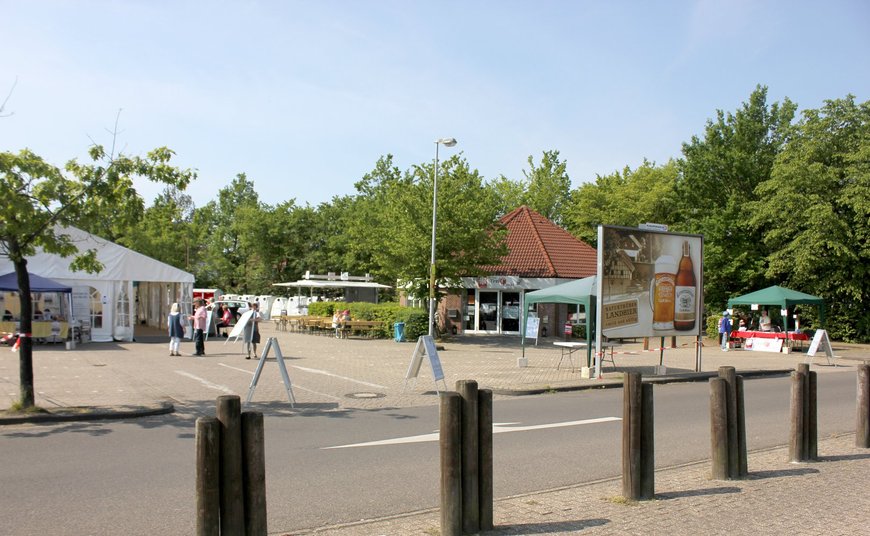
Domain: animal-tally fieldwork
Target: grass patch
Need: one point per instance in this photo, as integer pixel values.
(432, 531)
(619, 499)
(18, 409)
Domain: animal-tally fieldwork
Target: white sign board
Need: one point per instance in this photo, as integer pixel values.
(533, 324)
(821, 342)
(239, 328)
(758, 344)
(425, 345)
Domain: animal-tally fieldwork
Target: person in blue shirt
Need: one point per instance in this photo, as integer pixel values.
(725, 330)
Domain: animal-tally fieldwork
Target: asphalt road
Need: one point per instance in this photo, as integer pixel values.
(137, 477)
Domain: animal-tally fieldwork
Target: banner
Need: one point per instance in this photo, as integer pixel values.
(651, 283)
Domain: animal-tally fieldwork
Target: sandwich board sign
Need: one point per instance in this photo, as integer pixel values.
(425, 345)
(821, 342)
(272, 342)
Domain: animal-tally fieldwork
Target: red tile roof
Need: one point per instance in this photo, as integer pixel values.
(540, 248)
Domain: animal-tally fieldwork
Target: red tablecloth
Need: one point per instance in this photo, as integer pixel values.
(792, 336)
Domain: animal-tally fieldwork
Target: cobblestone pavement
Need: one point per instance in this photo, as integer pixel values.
(328, 374)
(826, 497)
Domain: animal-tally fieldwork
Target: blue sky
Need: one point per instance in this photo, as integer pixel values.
(304, 97)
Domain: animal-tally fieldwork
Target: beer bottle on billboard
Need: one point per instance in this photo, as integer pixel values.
(685, 300)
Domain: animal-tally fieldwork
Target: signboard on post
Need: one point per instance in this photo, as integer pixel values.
(425, 345)
(650, 284)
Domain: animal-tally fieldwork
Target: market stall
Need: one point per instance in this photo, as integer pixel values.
(786, 299)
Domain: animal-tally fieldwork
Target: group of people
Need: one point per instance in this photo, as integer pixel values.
(726, 326)
(199, 318)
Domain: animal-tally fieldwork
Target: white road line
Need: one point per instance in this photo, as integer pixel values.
(497, 428)
(251, 373)
(316, 371)
(207, 383)
(295, 385)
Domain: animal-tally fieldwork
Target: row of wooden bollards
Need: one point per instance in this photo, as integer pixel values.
(727, 426)
(230, 472)
(466, 460)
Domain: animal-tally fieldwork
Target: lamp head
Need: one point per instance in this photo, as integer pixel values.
(447, 142)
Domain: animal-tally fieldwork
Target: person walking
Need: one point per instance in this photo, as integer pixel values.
(199, 318)
(176, 330)
(252, 330)
(725, 330)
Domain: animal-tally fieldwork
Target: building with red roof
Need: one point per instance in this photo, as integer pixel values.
(540, 254)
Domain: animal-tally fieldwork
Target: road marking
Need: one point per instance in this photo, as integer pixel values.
(497, 428)
(316, 371)
(237, 368)
(295, 385)
(207, 383)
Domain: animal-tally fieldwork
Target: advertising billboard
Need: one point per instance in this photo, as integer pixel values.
(651, 282)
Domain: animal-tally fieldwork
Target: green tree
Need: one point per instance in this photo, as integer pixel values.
(38, 199)
(549, 186)
(628, 199)
(392, 223)
(231, 236)
(814, 214)
(165, 230)
(719, 176)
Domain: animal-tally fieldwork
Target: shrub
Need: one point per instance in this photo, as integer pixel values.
(415, 319)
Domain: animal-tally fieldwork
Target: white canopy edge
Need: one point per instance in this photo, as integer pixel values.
(309, 283)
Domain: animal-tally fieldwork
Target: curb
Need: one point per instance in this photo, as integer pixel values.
(89, 413)
(668, 378)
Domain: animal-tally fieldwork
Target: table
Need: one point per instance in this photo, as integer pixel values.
(568, 348)
(56, 331)
(787, 336)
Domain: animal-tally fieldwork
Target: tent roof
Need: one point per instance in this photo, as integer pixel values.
(9, 282)
(119, 263)
(581, 291)
(310, 283)
(784, 297)
(775, 295)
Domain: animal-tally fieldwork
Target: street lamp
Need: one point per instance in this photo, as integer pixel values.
(446, 142)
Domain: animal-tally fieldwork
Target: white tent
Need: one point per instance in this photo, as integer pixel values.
(130, 287)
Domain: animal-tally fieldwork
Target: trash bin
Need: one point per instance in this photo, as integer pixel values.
(399, 331)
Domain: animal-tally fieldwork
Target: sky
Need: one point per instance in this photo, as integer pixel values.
(305, 97)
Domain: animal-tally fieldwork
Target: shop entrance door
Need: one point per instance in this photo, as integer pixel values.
(488, 311)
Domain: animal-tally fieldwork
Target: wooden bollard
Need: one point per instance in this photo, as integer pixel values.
(231, 479)
(450, 445)
(208, 522)
(647, 443)
(796, 437)
(862, 417)
(742, 454)
(631, 434)
(467, 389)
(254, 469)
(719, 428)
(730, 376)
(484, 411)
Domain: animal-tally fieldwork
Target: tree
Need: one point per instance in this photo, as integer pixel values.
(38, 199)
(165, 230)
(392, 223)
(548, 186)
(628, 198)
(814, 214)
(718, 177)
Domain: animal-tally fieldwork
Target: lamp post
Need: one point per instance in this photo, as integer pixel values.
(446, 142)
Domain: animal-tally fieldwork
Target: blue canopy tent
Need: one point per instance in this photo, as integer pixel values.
(9, 283)
(579, 292)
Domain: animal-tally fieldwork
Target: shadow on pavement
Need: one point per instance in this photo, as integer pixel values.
(556, 527)
(697, 493)
(758, 475)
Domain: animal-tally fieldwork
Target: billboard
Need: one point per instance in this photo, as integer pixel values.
(651, 282)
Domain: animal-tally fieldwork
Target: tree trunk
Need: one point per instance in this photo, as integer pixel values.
(25, 351)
